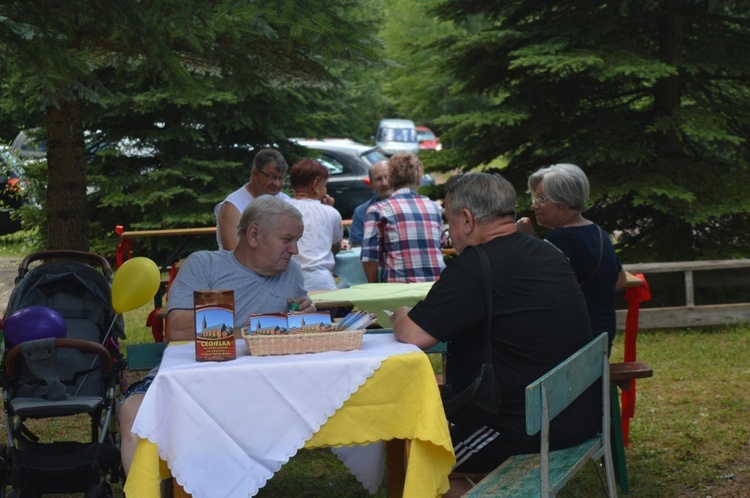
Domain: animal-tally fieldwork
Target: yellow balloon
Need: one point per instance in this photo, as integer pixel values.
(135, 284)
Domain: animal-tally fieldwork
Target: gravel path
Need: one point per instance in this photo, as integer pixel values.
(8, 272)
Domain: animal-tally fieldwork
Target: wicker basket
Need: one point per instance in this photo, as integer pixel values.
(265, 345)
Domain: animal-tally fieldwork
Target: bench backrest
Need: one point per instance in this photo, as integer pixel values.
(564, 383)
(544, 474)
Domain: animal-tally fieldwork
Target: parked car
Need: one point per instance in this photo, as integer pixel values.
(28, 144)
(397, 135)
(427, 139)
(11, 189)
(349, 164)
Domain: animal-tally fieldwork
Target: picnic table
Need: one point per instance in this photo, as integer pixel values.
(224, 428)
(379, 298)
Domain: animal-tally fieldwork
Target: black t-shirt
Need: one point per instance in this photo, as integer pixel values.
(584, 247)
(539, 320)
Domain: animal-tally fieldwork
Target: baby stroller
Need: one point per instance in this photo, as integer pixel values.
(63, 377)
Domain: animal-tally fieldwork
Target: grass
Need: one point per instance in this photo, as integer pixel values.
(690, 436)
(17, 244)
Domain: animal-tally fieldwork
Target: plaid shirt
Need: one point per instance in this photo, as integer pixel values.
(402, 234)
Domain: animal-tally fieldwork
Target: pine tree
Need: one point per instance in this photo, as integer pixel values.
(153, 96)
(651, 99)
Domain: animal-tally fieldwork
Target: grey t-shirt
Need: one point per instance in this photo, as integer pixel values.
(253, 293)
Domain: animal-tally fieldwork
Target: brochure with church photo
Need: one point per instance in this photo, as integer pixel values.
(267, 324)
(309, 322)
(214, 325)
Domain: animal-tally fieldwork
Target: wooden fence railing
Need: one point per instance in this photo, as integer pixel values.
(690, 314)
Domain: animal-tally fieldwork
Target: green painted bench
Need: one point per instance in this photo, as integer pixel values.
(545, 473)
(145, 356)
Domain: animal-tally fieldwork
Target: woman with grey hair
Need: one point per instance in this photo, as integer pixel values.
(558, 198)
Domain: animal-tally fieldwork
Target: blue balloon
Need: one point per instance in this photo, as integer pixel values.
(34, 322)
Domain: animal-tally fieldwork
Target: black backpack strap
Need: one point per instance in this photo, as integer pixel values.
(484, 265)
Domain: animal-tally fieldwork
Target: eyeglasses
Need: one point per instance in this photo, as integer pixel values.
(542, 199)
(273, 178)
(445, 239)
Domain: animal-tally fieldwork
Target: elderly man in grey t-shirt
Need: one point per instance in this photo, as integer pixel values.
(261, 272)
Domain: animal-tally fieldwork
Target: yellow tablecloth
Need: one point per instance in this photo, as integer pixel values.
(376, 298)
(384, 408)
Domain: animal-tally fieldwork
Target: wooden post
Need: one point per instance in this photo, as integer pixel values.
(395, 457)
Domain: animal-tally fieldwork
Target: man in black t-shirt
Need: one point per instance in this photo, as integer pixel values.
(539, 320)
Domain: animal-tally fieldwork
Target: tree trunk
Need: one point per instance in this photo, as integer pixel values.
(67, 220)
(667, 102)
(667, 91)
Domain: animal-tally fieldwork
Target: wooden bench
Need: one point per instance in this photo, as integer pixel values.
(545, 473)
(145, 356)
(622, 375)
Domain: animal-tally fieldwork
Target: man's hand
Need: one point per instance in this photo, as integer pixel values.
(303, 303)
(399, 313)
(525, 225)
(405, 330)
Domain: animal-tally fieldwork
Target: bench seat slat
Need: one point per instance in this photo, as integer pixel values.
(520, 475)
(629, 370)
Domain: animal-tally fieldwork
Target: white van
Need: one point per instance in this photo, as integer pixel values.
(397, 135)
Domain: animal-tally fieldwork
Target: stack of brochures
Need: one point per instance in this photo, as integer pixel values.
(356, 320)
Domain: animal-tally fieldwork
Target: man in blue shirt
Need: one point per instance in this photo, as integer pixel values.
(382, 188)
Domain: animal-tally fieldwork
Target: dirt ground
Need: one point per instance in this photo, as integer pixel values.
(8, 272)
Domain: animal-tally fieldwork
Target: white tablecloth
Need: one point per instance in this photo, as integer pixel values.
(226, 428)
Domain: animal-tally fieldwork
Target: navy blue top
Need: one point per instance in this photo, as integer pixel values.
(583, 247)
(357, 228)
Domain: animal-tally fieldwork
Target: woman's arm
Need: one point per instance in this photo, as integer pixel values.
(371, 271)
(622, 279)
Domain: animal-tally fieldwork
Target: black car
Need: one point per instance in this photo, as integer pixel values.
(349, 164)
